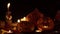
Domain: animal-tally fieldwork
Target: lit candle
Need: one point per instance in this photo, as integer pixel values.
(8, 13)
(9, 31)
(8, 5)
(18, 20)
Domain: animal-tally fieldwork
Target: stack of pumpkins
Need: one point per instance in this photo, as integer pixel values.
(36, 19)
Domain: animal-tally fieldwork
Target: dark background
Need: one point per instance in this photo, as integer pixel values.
(20, 8)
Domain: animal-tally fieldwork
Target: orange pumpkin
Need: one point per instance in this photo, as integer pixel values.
(45, 24)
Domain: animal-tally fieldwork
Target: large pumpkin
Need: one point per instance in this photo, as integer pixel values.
(34, 16)
(45, 23)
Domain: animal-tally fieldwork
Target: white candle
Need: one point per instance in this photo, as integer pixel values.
(8, 5)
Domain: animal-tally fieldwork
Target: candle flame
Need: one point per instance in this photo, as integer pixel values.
(18, 20)
(8, 5)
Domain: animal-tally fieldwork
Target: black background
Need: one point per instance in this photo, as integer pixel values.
(20, 8)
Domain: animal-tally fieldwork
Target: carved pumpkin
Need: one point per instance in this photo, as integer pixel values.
(45, 24)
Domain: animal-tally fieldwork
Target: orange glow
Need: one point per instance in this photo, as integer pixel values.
(38, 30)
(9, 31)
(45, 26)
(24, 19)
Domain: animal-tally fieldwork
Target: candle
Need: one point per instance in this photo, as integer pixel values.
(8, 13)
(9, 31)
(8, 5)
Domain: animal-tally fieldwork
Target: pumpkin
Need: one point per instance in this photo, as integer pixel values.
(25, 26)
(45, 23)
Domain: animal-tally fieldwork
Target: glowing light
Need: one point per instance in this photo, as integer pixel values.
(9, 31)
(45, 26)
(38, 31)
(18, 20)
(9, 18)
(8, 5)
(24, 19)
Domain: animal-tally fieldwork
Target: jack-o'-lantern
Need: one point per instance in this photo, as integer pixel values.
(45, 23)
